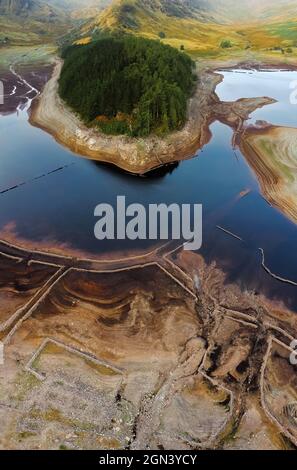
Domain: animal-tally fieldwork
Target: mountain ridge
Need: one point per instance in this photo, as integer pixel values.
(30, 22)
(199, 26)
(123, 13)
(25, 8)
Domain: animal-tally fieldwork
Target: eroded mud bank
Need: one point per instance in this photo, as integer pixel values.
(272, 153)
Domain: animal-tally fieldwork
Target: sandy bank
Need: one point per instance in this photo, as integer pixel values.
(272, 153)
(141, 155)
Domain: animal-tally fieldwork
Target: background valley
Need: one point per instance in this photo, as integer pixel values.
(202, 27)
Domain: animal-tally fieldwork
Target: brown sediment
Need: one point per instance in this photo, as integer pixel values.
(55, 250)
(129, 359)
(271, 151)
(137, 155)
(18, 283)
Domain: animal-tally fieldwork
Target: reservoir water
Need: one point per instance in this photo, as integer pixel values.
(57, 207)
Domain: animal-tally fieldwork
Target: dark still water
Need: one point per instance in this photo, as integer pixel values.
(58, 208)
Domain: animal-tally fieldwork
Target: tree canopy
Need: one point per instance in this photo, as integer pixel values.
(128, 85)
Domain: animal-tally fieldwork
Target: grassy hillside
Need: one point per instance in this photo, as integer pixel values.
(30, 22)
(201, 27)
(176, 22)
(255, 11)
(81, 9)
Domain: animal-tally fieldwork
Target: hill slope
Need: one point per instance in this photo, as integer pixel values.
(30, 21)
(244, 11)
(200, 26)
(81, 9)
(192, 24)
(36, 9)
(123, 14)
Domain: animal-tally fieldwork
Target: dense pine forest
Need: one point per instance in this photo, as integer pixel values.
(128, 85)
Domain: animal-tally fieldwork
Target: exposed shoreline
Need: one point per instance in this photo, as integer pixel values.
(271, 153)
(140, 156)
(133, 327)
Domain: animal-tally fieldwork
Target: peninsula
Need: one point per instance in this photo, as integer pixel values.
(141, 154)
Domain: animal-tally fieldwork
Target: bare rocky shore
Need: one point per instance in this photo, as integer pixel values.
(136, 353)
(271, 152)
(137, 155)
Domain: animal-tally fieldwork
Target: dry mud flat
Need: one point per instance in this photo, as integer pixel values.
(272, 153)
(141, 155)
(131, 359)
(18, 283)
